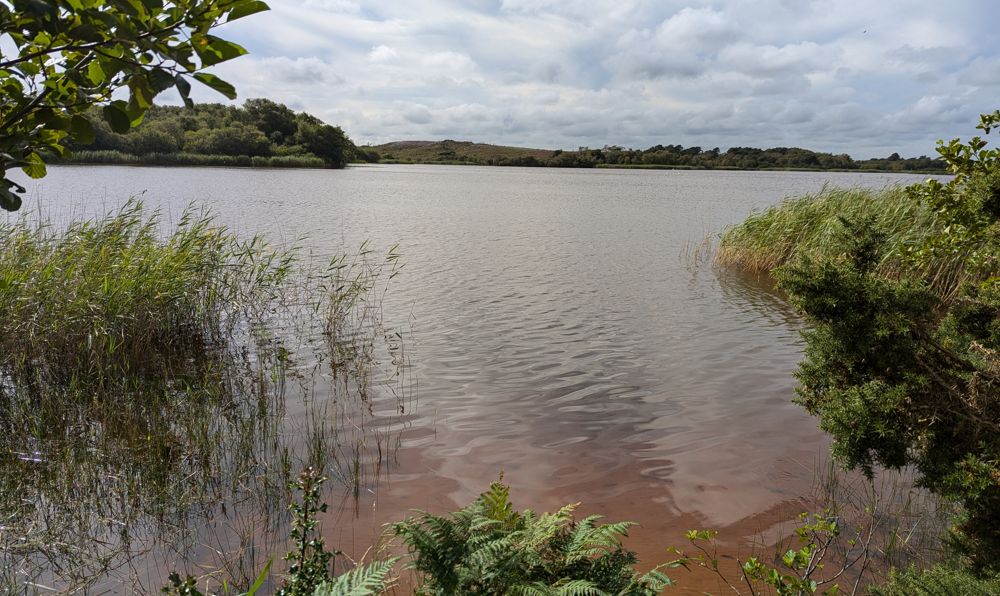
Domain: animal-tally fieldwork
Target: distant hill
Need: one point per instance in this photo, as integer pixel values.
(658, 156)
(449, 151)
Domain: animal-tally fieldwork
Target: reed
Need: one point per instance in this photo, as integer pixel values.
(807, 227)
(103, 297)
(159, 382)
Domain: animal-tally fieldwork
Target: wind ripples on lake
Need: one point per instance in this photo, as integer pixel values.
(561, 327)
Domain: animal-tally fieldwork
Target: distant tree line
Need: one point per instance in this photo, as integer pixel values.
(678, 156)
(261, 128)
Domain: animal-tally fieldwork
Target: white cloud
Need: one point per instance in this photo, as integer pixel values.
(838, 75)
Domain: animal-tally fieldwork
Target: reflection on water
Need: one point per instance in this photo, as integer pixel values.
(559, 333)
(184, 466)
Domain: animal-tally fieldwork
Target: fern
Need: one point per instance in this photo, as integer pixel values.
(361, 581)
(490, 548)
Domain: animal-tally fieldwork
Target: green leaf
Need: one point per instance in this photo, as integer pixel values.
(213, 50)
(247, 8)
(184, 89)
(95, 73)
(116, 117)
(8, 200)
(82, 130)
(216, 83)
(160, 80)
(260, 579)
(34, 166)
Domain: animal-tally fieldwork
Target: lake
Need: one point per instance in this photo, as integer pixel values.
(563, 327)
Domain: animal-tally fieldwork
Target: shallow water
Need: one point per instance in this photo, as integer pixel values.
(562, 327)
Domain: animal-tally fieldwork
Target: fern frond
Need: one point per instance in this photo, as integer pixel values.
(579, 587)
(535, 589)
(496, 502)
(360, 581)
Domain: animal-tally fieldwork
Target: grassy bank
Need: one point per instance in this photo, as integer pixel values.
(807, 227)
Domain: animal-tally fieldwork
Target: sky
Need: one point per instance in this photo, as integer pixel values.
(866, 78)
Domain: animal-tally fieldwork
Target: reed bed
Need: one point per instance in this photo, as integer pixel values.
(102, 297)
(159, 384)
(808, 226)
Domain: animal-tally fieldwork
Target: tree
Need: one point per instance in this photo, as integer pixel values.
(325, 141)
(74, 54)
(900, 375)
(273, 119)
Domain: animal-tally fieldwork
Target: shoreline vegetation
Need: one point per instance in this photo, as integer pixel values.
(901, 289)
(260, 133)
(678, 157)
(267, 134)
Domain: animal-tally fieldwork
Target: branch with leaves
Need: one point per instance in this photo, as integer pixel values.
(74, 54)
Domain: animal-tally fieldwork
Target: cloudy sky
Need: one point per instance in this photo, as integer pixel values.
(862, 77)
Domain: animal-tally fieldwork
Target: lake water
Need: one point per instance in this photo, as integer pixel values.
(562, 326)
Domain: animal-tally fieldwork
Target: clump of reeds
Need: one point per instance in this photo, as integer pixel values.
(808, 226)
(99, 298)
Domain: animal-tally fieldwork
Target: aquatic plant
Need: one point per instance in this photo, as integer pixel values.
(143, 391)
(810, 226)
(107, 296)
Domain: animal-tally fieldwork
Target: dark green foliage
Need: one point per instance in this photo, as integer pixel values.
(261, 129)
(902, 375)
(489, 548)
(323, 140)
(658, 156)
(275, 120)
(71, 55)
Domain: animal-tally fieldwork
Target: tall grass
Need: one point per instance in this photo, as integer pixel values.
(104, 296)
(159, 382)
(808, 226)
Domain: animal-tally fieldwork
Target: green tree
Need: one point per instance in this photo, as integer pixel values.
(74, 54)
(273, 119)
(902, 376)
(237, 139)
(325, 141)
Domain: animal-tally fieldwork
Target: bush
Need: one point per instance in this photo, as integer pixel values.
(489, 548)
(902, 366)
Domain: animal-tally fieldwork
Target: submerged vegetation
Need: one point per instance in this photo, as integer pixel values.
(156, 393)
(902, 364)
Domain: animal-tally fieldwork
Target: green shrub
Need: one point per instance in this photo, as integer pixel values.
(489, 548)
(902, 359)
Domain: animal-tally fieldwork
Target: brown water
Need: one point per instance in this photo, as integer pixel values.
(560, 329)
